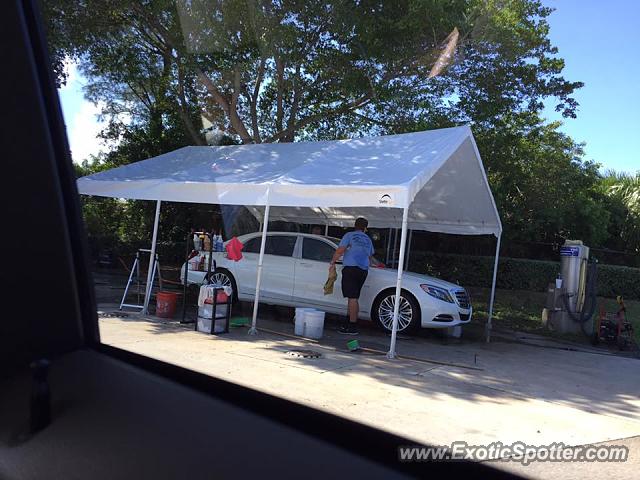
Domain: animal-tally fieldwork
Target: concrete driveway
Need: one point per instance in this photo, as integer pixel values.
(515, 393)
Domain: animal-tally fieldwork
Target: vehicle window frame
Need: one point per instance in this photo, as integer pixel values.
(297, 250)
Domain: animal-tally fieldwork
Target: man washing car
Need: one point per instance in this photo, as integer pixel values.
(357, 251)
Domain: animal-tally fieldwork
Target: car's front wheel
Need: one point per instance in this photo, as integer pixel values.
(408, 313)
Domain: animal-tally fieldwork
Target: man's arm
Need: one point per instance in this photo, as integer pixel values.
(344, 244)
(372, 261)
(336, 256)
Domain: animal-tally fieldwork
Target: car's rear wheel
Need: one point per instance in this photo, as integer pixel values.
(408, 313)
(223, 277)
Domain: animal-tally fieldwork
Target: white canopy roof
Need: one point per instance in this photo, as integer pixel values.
(438, 174)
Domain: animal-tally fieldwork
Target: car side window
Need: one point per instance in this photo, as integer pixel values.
(252, 245)
(281, 245)
(318, 250)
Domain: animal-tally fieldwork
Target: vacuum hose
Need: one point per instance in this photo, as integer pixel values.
(590, 302)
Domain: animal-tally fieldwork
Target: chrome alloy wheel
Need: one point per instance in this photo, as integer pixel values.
(385, 313)
(221, 279)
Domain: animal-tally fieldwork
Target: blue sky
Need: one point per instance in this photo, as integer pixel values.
(599, 41)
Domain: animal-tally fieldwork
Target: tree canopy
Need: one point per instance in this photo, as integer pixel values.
(266, 71)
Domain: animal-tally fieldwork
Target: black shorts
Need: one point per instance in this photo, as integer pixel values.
(352, 280)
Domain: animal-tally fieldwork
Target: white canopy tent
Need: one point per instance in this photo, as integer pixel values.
(431, 180)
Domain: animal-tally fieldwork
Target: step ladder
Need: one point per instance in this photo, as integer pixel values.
(135, 271)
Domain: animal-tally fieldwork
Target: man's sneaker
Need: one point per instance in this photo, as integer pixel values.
(348, 330)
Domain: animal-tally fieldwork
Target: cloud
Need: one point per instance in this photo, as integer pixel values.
(83, 130)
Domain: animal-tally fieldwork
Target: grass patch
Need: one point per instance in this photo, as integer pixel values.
(521, 311)
(518, 310)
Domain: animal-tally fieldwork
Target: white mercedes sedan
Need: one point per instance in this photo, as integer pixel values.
(295, 269)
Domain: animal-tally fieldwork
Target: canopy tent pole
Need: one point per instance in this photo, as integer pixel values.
(265, 222)
(152, 259)
(406, 259)
(396, 307)
(395, 243)
(493, 288)
(386, 259)
(326, 230)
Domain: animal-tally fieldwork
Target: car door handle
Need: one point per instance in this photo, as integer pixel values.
(305, 264)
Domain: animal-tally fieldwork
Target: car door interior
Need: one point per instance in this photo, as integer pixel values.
(103, 412)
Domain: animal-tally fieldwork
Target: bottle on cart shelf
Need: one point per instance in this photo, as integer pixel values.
(219, 243)
(197, 243)
(207, 243)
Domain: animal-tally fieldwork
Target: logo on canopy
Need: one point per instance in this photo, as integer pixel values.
(385, 200)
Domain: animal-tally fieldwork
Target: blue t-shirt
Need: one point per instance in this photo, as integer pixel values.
(359, 249)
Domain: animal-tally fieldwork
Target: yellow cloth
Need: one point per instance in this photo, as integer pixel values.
(328, 285)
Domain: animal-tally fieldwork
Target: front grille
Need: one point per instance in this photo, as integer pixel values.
(463, 298)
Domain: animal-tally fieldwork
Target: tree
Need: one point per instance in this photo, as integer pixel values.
(544, 189)
(267, 71)
(623, 191)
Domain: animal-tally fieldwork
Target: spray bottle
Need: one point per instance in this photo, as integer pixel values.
(220, 242)
(214, 240)
(197, 244)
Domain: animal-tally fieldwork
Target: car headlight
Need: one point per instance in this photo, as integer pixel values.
(437, 292)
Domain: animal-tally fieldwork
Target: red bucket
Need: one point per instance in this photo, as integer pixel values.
(166, 304)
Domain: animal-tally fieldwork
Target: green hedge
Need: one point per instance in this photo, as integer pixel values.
(520, 274)
(615, 280)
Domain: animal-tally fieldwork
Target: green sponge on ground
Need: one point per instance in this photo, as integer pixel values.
(353, 345)
(239, 322)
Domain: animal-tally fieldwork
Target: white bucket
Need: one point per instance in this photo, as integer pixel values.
(455, 332)
(313, 324)
(299, 320)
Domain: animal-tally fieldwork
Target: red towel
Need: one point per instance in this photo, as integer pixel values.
(234, 249)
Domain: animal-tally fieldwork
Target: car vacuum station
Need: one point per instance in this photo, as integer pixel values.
(572, 301)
